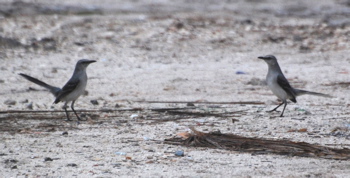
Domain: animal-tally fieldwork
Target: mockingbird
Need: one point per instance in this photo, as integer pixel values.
(280, 85)
(72, 89)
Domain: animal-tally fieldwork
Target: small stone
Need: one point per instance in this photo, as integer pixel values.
(133, 116)
(94, 102)
(65, 133)
(48, 159)
(240, 72)
(120, 153)
(72, 165)
(11, 161)
(14, 167)
(116, 164)
(29, 106)
(179, 153)
(10, 102)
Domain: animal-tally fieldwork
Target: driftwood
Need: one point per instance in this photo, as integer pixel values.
(207, 102)
(62, 111)
(258, 145)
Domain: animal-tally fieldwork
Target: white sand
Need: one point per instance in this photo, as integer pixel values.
(142, 55)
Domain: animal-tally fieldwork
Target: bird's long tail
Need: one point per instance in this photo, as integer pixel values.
(54, 90)
(304, 92)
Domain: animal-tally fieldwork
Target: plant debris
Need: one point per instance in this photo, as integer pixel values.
(258, 145)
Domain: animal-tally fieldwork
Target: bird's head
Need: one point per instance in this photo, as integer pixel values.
(83, 63)
(269, 59)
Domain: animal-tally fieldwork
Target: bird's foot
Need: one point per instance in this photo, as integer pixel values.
(82, 115)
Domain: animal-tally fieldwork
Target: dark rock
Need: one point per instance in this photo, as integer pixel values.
(9, 161)
(72, 165)
(48, 159)
(94, 102)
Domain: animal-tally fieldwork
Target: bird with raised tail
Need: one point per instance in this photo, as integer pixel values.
(72, 90)
(280, 86)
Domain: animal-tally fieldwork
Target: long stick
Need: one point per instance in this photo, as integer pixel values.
(207, 102)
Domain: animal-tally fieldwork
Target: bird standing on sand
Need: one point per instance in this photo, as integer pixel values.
(71, 91)
(280, 86)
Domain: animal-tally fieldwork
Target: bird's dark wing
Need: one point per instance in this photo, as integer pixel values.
(283, 82)
(67, 88)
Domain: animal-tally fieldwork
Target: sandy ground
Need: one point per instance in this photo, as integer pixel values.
(171, 51)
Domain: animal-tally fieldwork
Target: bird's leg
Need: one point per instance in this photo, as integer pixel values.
(285, 104)
(65, 109)
(72, 106)
(277, 107)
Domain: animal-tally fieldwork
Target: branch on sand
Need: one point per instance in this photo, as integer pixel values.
(258, 145)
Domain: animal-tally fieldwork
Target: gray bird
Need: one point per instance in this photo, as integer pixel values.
(280, 86)
(71, 91)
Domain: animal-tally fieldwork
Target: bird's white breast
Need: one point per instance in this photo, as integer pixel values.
(271, 80)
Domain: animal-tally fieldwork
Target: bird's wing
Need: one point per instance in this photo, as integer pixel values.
(67, 88)
(283, 82)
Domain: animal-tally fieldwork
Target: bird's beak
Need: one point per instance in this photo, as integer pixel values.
(91, 61)
(261, 57)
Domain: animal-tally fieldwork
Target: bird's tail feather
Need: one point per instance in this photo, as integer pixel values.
(54, 90)
(304, 92)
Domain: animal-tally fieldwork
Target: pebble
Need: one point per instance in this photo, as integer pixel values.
(29, 106)
(48, 159)
(240, 72)
(134, 116)
(94, 102)
(10, 102)
(65, 133)
(179, 153)
(120, 153)
(14, 167)
(72, 165)
(116, 164)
